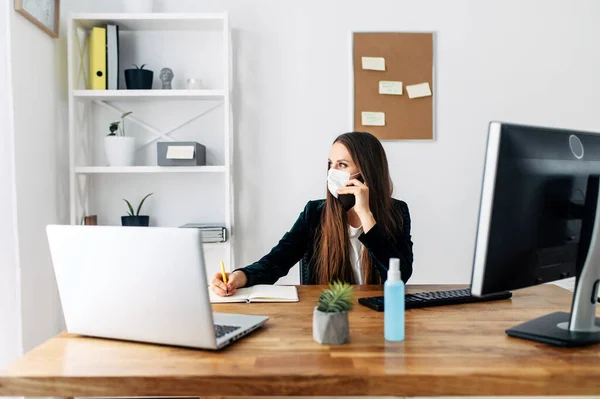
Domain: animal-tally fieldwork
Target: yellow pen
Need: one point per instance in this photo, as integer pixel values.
(224, 277)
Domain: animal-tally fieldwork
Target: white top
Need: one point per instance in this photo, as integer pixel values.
(356, 248)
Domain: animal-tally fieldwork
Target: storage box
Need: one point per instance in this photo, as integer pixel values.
(181, 153)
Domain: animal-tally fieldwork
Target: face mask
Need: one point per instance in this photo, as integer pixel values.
(337, 179)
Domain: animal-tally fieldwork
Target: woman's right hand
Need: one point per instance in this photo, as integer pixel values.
(235, 280)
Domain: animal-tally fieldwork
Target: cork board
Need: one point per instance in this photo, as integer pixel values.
(409, 59)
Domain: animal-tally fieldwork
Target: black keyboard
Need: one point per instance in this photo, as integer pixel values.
(435, 298)
(222, 330)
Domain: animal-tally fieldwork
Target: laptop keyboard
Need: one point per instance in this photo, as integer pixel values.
(223, 330)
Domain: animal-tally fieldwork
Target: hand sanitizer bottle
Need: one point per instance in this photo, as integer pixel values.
(393, 303)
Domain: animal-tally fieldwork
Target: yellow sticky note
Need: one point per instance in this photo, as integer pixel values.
(373, 118)
(373, 63)
(420, 90)
(393, 88)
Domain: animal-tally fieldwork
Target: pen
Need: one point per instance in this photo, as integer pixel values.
(224, 277)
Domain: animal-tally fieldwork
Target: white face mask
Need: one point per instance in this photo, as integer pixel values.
(337, 179)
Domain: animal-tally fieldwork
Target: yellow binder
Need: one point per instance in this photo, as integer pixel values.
(97, 50)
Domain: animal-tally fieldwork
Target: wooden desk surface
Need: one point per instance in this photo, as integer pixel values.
(457, 350)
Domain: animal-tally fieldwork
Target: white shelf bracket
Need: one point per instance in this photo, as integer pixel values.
(81, 122)
(83, 193)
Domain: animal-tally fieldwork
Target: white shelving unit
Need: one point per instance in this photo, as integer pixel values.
(193, 46)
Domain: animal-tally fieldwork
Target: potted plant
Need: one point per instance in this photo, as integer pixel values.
(330, 317)
(138, 78)
(119, 149)
(134, 218)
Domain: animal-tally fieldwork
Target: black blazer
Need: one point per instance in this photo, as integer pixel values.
(299, 243)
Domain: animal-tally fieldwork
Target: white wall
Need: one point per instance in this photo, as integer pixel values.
(522, 61)
(10, 316)
(41, 173)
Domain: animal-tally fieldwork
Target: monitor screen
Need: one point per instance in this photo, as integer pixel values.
(532, 200)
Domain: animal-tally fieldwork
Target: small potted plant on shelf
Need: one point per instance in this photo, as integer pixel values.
(119, 149)
(134, 218)
(330, 317)
(139, 78)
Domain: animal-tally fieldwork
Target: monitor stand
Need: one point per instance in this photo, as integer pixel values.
(581, 326)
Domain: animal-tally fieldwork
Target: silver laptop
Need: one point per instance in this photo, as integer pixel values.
(144, 284)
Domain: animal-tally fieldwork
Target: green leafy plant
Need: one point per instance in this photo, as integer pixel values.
(114, 126)
(338, 298)
(131, 211)
(137, 67)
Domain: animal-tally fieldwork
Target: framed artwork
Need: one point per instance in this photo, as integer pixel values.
(45, 14)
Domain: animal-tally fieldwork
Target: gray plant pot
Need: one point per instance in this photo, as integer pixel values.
(330, 328)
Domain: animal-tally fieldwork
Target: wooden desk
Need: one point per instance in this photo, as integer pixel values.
(457, 350)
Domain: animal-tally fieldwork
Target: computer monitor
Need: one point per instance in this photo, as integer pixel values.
(538, 222)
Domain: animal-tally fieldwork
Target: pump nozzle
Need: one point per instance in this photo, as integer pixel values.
(394, 272)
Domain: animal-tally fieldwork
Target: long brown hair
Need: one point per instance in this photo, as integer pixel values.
(332, 255)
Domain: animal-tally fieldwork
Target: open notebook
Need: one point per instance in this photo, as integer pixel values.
(259, 293)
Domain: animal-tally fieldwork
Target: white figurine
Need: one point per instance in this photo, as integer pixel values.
(166, 76)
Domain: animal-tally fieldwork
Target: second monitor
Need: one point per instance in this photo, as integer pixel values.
(538, 223)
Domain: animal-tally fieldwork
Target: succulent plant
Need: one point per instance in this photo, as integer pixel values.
(131, 211)
(338, 298)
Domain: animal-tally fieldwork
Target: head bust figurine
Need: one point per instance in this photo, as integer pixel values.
(166, 77)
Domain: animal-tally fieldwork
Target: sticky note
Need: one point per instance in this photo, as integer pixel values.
(180, 152)
(373, 63)
(420, 90)
(373, 119)
(387, 87)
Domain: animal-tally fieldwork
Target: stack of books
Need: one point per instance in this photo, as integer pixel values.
(104, 57)
(210, 232)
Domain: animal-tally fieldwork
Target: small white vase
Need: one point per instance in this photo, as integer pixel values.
(120, 150)
(138, 6)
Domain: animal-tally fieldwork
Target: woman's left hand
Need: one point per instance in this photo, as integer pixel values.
(361, 193)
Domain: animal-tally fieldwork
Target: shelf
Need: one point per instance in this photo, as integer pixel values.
(85, 170)
(156, 94)
(153, 21)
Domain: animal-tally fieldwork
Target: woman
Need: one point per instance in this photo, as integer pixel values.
(349, 236)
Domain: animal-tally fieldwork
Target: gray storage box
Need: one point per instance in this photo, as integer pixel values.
(181, 153)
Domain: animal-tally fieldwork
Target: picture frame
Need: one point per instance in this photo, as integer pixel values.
(45, 14)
